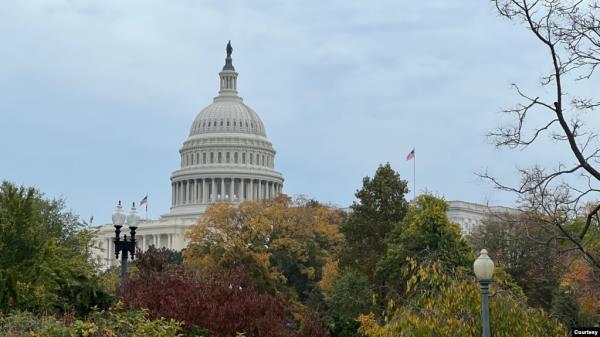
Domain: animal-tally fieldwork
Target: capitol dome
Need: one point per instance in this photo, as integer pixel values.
(228, 115)
(226, 157)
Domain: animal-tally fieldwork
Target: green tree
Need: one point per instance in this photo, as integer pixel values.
(453, 308)
(425, 236)
(526, 250)
(45, 254)
(381, 206)
(352, 296)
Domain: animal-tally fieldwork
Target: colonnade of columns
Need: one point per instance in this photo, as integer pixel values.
(203, 191)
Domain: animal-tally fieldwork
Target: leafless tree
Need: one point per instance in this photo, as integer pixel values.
(569, 31)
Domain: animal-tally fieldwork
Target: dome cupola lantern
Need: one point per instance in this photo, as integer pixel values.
(228, 75)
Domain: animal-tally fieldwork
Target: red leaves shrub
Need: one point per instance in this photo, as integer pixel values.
(223, 303)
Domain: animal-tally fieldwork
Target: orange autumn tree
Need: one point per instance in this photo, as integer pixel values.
(284, 242)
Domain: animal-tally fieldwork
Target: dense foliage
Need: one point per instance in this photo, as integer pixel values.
(449, 305)
(292, 267)
(45, 254)
(425, 235)
(562, 284)
(99, 324)
(223, 303)
(286, 244)
(380, 207)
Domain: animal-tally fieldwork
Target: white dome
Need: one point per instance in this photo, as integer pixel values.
(226, 157)
(228, 115)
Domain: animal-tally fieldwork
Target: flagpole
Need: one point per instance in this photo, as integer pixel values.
(146, 207)
(414, 174)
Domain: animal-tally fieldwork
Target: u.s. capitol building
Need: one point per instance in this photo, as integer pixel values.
(227, 157)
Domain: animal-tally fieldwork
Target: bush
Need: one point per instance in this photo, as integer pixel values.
(223, 303)
(114, 322)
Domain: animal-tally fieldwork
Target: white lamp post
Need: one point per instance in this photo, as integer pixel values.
(484, 270)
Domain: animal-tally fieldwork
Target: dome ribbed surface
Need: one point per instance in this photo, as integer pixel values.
(228, 115)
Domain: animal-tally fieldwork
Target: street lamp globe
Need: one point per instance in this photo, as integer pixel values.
(133, 218)
(119, 217)
(483, 267)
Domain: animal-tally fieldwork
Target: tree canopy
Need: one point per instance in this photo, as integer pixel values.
(45, 261)
(380, 207)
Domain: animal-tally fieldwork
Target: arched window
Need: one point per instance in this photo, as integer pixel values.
(243, 157)
(197, 161)
(212, 157)
(227, 157)
(204, 158)
(235, 157)
(220, 158)
(227, 122)
(251, 159)
(221, 122)
(263, 160)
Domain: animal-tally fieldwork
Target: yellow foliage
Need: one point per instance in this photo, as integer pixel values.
(265, 236)
(330, 274)
(455, 311)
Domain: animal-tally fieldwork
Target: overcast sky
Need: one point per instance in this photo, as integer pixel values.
(97, 97)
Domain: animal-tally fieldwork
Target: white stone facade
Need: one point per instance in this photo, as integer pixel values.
(226, 158)
(470, 215)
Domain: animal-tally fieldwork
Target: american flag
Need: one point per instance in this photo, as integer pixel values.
(411, 155)
(144, 201)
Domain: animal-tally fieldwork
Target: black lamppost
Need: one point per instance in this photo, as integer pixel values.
(125, 246)
(484, 270)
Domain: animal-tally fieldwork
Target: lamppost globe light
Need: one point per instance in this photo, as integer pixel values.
(118, 217)
(133, 218)
(483, 267)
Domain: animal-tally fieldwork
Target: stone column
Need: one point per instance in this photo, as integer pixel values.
(231, 189)
(259, 196)
(192, 191)
(213, 191)
(222, 189)
(175, 193)
(204, 191)
(106, 248)
(266, 190)
(200, 185)
(251, 190)
(241, 189)
(182, 188)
